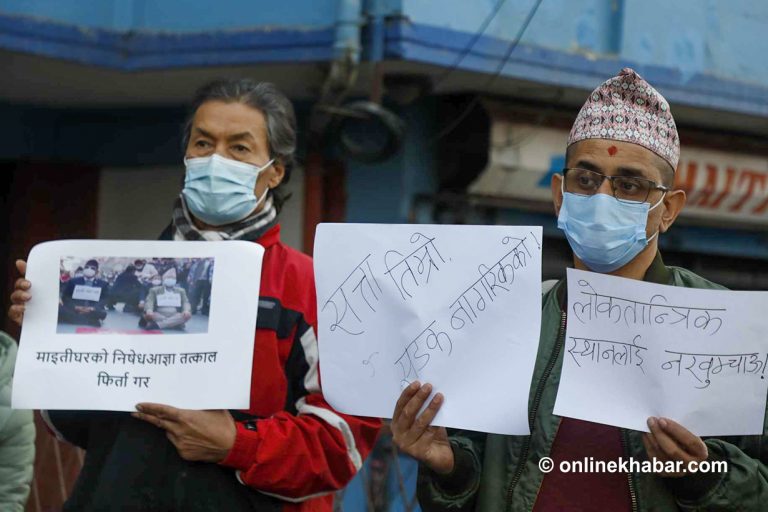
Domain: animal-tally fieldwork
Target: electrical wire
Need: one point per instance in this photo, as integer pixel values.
(480, 31)
(503, 62)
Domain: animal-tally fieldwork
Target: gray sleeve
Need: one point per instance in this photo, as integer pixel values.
(17, 450)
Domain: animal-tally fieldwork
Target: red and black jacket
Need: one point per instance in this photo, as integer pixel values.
(292, 450)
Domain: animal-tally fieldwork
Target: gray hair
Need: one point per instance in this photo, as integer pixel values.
(278, 113)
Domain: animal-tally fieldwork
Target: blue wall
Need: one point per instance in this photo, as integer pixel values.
(702, 53)
(559, 24)
(724, 38)
(705, 54)
(178, 16)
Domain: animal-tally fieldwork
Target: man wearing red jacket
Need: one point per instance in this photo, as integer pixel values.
(290, 450)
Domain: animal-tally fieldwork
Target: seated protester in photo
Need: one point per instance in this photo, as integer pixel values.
(127, 290)
(166, 306)
(145, 273)
(290, 450)
(622, 152)
(84, 299)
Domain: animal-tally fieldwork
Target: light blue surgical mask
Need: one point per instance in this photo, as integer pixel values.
(219, 191)
(603, 232)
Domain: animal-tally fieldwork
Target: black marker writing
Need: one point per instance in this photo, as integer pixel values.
(418, 264)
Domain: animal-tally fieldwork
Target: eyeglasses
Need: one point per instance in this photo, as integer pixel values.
(627, 189)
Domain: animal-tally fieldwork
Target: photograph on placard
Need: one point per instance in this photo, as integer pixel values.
(134, 295)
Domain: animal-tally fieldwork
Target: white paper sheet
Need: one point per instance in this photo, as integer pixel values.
(207, 365)
(83, 292)
(457, 306)
(169, 300)
(635, 349)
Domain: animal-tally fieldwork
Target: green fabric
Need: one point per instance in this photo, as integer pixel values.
(496, 459)
(17, 437)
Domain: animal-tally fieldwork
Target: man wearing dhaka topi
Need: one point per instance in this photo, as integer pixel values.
(613, 200)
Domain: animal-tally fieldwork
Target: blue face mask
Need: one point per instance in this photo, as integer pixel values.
(219, 191)
(604, 233)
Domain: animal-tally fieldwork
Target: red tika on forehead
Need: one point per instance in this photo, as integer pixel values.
(613, 150)
(626, 108)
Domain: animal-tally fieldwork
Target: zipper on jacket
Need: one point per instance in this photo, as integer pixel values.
(536, 402)
(630, 475)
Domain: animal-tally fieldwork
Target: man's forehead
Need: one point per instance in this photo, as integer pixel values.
(608, 155)
(228, 119)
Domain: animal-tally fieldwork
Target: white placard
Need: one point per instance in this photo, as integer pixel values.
(456, 306)
(635, 349)
(169, 300)
(103, 365)
(83, 292)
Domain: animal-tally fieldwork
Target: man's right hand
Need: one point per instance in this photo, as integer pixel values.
(414, 434)
(20, 295)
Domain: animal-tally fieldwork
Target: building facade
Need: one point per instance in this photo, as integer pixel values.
(477, 97)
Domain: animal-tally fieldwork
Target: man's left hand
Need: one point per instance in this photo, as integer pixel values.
(670, 441)
(205, 436)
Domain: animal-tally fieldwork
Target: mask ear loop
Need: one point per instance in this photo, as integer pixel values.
(658, 202)
(264, 195)
(651, 208)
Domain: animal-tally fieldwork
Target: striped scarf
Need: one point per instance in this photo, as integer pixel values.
(250, 228)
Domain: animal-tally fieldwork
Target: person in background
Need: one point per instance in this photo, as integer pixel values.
(63, 278)
(183, 274)
(84, 299)
(127, 290)
(145, 272)
(289, 450)
(199, 280)
(17, 437)
(613, 200)
(166, 306)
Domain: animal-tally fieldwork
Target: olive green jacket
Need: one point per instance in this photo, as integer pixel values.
(496, 473)
(17, 437)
